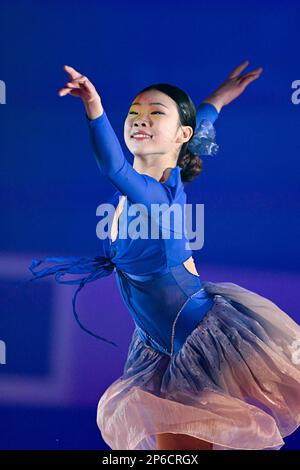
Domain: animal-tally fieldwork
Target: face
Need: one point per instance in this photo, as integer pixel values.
(154, 113)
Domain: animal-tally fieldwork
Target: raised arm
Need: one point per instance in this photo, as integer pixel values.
(109, 155)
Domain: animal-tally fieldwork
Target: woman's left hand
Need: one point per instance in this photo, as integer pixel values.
(233, 86)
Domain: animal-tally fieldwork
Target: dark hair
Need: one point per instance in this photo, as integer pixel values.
(190, 163)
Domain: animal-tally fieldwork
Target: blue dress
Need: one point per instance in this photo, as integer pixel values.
(211, 360)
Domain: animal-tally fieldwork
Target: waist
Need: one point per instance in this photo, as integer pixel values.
(187, 319)
(188, 282)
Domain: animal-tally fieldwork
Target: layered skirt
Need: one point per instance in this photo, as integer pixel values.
(235, 382)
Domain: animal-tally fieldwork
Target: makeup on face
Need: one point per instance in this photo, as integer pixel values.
(140, 108)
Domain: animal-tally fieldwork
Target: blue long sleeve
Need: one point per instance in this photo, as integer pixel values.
(139, 188)
(206, 111)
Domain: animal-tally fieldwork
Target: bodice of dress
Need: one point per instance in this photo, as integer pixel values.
(165, 300)
(165, 307)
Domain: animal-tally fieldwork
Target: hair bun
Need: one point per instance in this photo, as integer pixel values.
(191, 165)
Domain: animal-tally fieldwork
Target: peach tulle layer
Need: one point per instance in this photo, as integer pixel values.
(235, 382)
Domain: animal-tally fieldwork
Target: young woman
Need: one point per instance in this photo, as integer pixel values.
(210, 365)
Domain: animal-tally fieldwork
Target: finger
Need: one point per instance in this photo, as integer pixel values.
(75, 84)
(64, 91)
(76, 93)
(72, 72)
(245, 82)
(251, 74)
(72, 85)
(78, 84)
(237, 70)
(84, 83)
(81, 79)
(259, 70)
(69, 86)
(69, 91)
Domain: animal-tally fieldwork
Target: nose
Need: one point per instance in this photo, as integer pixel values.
(140, 125)
(140, 122)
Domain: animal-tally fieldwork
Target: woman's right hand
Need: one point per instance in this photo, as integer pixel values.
(79, 85)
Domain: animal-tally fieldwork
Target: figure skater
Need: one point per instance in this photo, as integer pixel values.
(211, 365)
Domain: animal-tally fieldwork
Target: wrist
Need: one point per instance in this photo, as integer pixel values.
(215, 100)
(93, 107)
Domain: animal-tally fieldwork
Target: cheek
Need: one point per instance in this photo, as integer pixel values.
(127, 132)
(166, 134)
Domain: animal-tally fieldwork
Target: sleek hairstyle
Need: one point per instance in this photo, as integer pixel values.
(190, 163)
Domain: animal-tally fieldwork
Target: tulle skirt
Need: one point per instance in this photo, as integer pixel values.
(235, 382)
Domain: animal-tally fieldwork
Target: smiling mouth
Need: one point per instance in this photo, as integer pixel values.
(141, 137)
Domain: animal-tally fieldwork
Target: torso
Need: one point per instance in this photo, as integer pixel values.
(189, 263)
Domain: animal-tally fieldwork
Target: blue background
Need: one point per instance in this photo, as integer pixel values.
(51, 185)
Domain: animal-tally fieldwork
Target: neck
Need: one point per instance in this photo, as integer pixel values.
(157, 171)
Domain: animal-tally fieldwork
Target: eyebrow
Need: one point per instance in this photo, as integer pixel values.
(151, 103)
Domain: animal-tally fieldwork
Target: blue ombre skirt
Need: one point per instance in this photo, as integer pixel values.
(234, 383)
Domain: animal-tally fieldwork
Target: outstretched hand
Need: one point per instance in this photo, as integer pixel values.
(233, 86)
(79, 85)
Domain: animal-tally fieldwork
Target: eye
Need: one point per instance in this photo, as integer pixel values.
(153, 112)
